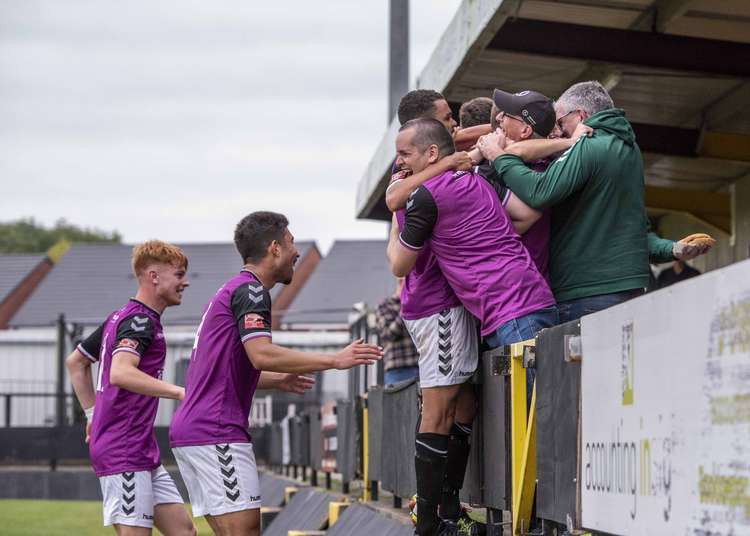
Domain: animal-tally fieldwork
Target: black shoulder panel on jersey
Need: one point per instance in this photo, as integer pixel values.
(488, 171)
(135, 333)
(251, 307)
(91, 345)
(421, 216)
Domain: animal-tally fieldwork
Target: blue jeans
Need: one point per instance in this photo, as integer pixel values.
(575, 309)
(400, 374)
(521, 329)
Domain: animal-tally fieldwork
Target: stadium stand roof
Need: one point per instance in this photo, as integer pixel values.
(92, 280)
(679, 68)
(353, 271)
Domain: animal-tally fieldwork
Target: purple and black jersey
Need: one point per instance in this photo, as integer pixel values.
(91, 345)
(221, 380)
(536, 238)
(122, 431)
(459, 216)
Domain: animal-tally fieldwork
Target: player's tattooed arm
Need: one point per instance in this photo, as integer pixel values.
(403, 184)
(134, 335)
(291, 383)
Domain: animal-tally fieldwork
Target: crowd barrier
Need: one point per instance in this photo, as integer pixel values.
(374, 436)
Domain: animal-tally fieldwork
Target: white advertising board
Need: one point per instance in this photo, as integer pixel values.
(666, 410)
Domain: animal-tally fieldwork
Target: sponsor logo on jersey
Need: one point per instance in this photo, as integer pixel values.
(127, 343)
(254, 321)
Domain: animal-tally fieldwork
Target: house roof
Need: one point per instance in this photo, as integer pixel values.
(13, 269)
(92, 280)
(353, 271)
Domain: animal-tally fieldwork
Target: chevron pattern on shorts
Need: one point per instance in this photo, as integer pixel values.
(231, 488)
(128, 493)
(445, 344)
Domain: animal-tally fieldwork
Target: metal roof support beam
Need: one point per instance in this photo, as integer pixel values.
(721, 110)
(610, 45)
(660, 14)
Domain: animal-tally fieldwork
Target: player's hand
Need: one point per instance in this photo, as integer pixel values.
(88, 431)
(492, 145)
(460, 161)
(180, 393)
(357, 353)
(582, 131)
(296, 383)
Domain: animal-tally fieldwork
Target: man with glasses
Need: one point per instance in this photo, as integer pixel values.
(600, 241)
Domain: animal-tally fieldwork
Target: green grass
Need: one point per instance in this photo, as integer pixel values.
(60, 518)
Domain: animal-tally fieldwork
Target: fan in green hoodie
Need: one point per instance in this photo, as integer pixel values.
(600, 238)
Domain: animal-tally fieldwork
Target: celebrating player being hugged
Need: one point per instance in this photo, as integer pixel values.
(209, 433)
(130, 347)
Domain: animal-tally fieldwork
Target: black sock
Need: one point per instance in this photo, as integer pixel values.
(458, 457)
(429, 462)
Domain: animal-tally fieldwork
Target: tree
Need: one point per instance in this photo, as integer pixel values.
(28, 236)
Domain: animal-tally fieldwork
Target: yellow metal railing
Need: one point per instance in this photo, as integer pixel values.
(523, 439)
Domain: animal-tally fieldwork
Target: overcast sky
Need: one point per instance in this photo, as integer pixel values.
(173, 119)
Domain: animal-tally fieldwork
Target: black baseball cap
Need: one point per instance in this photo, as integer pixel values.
(534, 108)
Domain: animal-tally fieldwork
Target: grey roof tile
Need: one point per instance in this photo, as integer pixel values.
(92, 280)
(13, 268)
(353, 271)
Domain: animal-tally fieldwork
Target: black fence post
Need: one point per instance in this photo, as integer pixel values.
(328, 480)
(61, 333)
(7, 410)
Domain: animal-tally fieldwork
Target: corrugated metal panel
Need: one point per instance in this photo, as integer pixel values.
(308, 510)
(357, 519)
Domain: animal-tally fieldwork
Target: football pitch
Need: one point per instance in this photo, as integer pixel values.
(60, 518)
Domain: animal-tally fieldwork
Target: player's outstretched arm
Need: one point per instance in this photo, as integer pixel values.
(402, 185)
(79, 369)
(125, 374)
(466, 138)
(266, 356)
(291, 383)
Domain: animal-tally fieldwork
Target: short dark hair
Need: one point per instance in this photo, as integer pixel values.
(417, 103)
(428, 131)
(475, 112)
(255, 232)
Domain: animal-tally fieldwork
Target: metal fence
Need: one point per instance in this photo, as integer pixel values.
(375, 436)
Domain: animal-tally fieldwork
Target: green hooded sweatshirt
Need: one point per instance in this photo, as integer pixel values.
(600, 240)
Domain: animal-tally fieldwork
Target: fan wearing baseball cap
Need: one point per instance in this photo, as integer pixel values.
(600, 242)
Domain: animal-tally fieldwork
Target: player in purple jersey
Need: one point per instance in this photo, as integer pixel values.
(130, 348)
(209, 432)
(459, 215)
